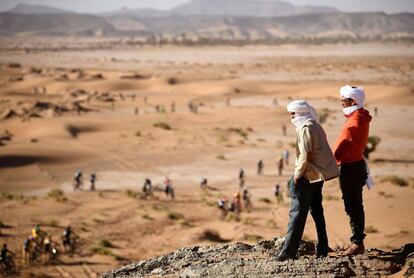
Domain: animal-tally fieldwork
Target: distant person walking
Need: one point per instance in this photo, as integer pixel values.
(241, 174)
(259, 167)
(247, 203)
(314, 164)
(235, 205)
(278, 194)
(147, 188)
(348, 152)
(77, 181)
(284, 130)
(223, 206)
(92, 180)
(169, 189)
(285, 155)
(241, 178)
(280, 165)
(203, 183)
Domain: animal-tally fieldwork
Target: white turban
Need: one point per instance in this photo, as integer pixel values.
(298, 106)
(355, 93)
(303, 113)
(302, 108)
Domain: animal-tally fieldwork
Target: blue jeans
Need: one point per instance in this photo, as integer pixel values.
(305, 196)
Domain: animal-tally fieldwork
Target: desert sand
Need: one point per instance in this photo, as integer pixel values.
(73, 110)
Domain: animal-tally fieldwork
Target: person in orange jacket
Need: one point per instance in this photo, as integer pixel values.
(348, 151)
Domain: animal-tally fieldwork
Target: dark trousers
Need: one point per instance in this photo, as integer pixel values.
(352, 180)
(305, 196)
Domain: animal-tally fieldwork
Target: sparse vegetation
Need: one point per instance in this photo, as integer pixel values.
(248, 221)
(265, 200)
(251, 237)
(105, 243)
(184, 223)
(174, 215)
(223, 138)
(271, 223)
(221, 157)
(212, 235)
(172, 81)
(57, 194)
(232, 217)
(162, 125)
(102, 248)
(323, 115)
(131, 193)
(210, 203)
(52, 223)
(12, 197)
(147, 217)
(371, 229)
(371, 146)
(159, 207)
(98, 221)
(238, 131)
(102, 251)
(385, 195)
(396, 180)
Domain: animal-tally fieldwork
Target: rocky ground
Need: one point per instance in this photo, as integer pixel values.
(243, 260)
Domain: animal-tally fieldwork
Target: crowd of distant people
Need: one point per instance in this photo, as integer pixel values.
(39, 248)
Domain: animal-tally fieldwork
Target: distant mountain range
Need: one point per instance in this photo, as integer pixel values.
(209, 19)
(255, 8)
(35, 9)
(249, 8)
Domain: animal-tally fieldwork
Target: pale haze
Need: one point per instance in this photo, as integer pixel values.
(94, 6)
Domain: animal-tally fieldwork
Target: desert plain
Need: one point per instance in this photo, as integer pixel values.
(95, 110)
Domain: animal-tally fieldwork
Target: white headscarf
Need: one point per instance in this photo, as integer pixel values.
(355, 93)
(303, 113)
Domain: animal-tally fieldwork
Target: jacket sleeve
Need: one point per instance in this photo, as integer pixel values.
(341, 152)
(305, 147)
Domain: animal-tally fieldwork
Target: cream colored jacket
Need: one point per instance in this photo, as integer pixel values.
(314, 158)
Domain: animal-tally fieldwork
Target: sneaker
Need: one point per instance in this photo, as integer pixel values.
(355, 249)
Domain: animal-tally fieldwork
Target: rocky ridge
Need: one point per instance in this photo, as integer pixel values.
(243, 260)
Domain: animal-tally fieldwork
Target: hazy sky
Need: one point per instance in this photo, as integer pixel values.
(389, 6)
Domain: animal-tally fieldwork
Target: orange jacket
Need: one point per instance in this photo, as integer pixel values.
(350, 145)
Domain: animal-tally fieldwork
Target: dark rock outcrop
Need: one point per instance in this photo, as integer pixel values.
(243, 260)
